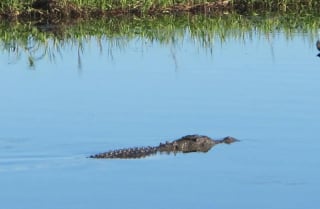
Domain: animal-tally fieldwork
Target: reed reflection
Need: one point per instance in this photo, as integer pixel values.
(46, 40)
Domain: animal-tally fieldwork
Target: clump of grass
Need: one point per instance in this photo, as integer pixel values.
(11, 8)
(275, 5)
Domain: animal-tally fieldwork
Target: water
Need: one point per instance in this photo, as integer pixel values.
(262, 91)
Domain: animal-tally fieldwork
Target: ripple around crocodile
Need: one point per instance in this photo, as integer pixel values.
(186, 144)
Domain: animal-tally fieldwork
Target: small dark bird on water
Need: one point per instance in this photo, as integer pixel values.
(318, 47)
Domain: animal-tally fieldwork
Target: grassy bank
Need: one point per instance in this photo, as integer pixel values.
(40, 40)
(100, 8)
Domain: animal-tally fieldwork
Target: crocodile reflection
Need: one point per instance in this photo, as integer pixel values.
(186, 144)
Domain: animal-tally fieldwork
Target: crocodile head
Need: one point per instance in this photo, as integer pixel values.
(229, 140)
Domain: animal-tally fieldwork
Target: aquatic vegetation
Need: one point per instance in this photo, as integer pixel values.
(39, 40)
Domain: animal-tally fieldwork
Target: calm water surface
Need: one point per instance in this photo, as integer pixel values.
(262, 91)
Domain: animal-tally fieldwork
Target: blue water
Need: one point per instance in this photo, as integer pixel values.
(264, 93)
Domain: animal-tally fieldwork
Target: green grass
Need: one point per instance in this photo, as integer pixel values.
(26, 39)
(92, 8)
(262, 3)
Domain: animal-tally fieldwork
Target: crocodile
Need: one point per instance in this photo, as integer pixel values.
(186, 144)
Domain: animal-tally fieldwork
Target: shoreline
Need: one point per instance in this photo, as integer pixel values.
(60, 9)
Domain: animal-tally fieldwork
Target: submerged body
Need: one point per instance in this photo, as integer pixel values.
(189, 143)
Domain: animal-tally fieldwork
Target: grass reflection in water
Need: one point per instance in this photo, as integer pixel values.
(39, 40)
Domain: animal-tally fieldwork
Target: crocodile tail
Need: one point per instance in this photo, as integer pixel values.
(136, 152)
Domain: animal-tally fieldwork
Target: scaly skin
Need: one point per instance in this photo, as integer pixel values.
(189, 143)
